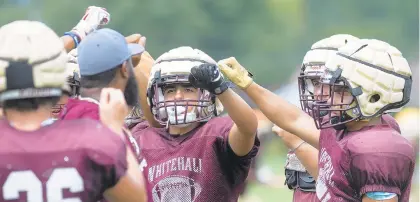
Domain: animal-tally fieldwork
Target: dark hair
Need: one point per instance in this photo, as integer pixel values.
(100, 80)
(30, 104)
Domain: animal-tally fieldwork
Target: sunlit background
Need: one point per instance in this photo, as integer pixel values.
(269, 37)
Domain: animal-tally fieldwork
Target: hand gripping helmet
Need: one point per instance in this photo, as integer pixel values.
(32, 61)
(73, 81)
(174, 67)
(372, 73)
(313, 66)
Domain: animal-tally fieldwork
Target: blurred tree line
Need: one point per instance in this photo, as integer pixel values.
(269, 37)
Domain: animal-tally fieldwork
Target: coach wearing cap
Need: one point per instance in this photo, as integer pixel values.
(104, 59)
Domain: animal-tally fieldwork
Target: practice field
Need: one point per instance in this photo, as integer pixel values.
(261, 193)
(273, 156)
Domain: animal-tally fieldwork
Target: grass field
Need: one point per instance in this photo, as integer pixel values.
(261, 193)
(273, 156)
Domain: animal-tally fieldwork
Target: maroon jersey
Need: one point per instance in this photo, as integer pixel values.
(61, 161)
(89, 108)
(305, 196)
(375, 158)
(80, 108)
(197, 166)
(136, 129)
(391, 122)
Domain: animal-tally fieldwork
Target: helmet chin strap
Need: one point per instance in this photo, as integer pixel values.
(347, 115)
(338, 119)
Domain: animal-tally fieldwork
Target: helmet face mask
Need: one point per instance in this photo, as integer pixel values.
(308, 81)
(334, 104)
(171, 71)
(313, 67)
(179, 112)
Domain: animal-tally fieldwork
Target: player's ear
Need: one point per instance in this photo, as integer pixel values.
(124, 70)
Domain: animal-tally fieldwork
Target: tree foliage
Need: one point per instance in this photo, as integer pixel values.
(269, 37)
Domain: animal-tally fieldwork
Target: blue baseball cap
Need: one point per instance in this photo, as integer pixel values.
(103, 50)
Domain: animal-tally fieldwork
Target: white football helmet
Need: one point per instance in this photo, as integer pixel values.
(32, 61)
(313, 66)
(174, 67)
(376, 75)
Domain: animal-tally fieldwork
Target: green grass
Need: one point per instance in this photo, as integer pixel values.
(261, 193)
(274, 156)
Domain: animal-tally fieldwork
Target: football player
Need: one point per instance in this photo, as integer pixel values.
(361, 158)
(297, 176)
(197, 156)
(42, 160)
(104, 60)
(73, 80)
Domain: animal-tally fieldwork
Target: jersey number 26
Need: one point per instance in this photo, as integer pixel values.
(27, 181)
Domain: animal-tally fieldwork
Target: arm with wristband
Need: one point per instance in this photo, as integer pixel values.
(94, 18)
(307, 154)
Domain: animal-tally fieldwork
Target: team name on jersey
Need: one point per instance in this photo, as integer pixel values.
(175, 164)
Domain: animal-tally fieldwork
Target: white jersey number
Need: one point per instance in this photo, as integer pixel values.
(27, 181)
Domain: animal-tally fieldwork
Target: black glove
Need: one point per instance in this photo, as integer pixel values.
(208, 77)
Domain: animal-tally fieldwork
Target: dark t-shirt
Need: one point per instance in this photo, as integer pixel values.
(197, 166)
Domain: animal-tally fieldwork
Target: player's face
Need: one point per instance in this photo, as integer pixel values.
(340, 100)
(59, 106)
(321, 92)
(181, 93)
(332, 102)
(181, 102)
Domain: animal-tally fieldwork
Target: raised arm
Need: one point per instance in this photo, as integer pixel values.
(279, 111)
(94, 18)
(243, 133)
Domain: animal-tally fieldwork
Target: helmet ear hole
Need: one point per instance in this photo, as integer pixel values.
(374, 98)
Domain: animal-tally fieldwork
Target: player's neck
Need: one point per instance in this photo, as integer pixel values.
(28, 120)
(94, 93)
(173, 130)
(357, 125)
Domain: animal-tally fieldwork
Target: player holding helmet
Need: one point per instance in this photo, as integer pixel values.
(197, 156)
(361, 158)
(55, 161)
